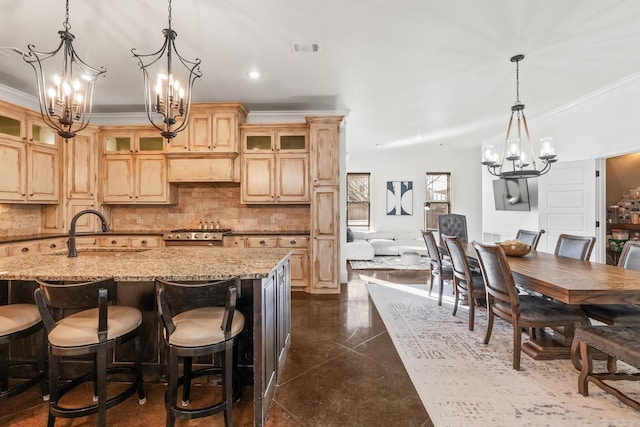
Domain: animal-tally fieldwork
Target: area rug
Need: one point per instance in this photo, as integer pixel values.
(389, 263)
(463, 382)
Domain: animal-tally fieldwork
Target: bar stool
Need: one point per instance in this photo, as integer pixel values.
(19, 321)
(199, 319)
(94, 327)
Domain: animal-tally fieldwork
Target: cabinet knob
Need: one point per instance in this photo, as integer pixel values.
(144, 242)
(293, 242)
(114, 242)
(53, 246)
(31, 195)
(262, 242)
(25, 249)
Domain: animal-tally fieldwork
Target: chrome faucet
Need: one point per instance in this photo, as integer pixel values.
(71, 243)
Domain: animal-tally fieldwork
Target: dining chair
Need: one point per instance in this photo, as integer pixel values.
(453, 225)
(467, 286)
(619, 314)
(199, 319)
(440, 270)
(531, 238)
(523, 311)
(82, 320)
(578, 247)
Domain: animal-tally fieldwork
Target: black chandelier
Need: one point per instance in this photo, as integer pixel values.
(168, 105)
(66, 105)
(513, 162)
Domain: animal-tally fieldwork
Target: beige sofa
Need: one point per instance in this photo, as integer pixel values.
(367, 244)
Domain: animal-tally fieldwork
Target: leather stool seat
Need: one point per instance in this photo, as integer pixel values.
(18, 321)
(193, 327)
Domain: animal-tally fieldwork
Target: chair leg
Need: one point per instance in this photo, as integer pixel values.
(490, 316)
(227, 394)
(441, 291)
(4, 367)
(430, 279)
(587, 368)
(53, 386)
(142, 397)
(517, 344)
(101, 380)
(186, 387)
(456, 296)
(41, 362)
(472, 310)
(172, 392)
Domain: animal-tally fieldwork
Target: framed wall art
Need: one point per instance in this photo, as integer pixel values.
(399, 198)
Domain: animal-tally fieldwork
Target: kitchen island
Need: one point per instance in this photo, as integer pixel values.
(264, 299)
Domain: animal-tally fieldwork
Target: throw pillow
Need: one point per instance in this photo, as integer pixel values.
(349, 235)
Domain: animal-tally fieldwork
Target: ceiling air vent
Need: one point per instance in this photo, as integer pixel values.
(305, 47)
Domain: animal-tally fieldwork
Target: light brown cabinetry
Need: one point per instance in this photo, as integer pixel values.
(29, 159)
(299, 244)
(324, 135)
(33, 247)
(82, 166)
(275, 164)
(134, 168)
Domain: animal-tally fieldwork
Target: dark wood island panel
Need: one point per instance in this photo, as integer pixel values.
(264, 300)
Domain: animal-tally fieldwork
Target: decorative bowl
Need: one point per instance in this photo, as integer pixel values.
(515, 248)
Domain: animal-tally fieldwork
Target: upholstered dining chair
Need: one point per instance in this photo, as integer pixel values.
(619, 314)
(578, 247)
(466, 284)
(82, 320)
(199, 319)
(440, 270)
(453, 225)
(531, 238)
(523, 311)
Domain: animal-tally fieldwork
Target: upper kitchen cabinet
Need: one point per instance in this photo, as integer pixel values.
(134, 168)
(82, 167)
(29, 159)
(324, 133)
(213, 128)
(275, 164)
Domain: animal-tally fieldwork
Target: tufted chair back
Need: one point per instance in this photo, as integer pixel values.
(630, 256)
(453, 225)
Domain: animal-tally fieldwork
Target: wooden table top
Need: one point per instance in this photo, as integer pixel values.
(573, 281)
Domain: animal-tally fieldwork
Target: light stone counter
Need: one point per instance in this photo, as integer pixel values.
(173, 263)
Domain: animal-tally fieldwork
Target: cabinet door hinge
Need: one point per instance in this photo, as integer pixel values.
(597, 174)
(597, 224)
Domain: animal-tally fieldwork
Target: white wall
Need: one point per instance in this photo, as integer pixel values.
(602, 124)
(411, 165)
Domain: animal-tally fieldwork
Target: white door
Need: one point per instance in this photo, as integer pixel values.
(567, 203)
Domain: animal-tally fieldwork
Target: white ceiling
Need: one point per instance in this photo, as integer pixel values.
(433, 72)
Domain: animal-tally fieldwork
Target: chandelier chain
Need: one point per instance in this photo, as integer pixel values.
(66, 24)
(517, 82)
(169, 8)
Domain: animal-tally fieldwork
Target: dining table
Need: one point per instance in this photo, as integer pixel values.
(573, 282)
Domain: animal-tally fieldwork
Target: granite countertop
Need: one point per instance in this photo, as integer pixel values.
(270, 233)
(37, 236)
(130, 265)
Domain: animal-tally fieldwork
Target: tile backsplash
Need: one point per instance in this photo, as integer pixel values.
(16, 220)
(211, 202)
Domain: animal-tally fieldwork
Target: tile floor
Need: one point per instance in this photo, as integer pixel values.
(342, 370)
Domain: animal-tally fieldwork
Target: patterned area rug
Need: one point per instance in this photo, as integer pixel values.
(463, 382)
(389, 263)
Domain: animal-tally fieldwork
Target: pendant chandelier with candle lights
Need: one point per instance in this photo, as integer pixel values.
(514, 160)
(167, 103)
(66, 104)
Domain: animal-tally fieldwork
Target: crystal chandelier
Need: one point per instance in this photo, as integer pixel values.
(168, 103)
(514, 163)
(65, 105)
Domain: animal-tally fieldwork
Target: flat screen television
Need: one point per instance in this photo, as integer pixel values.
(511, 194)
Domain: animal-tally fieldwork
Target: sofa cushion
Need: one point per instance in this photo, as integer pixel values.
(359, 250)
(359, 235)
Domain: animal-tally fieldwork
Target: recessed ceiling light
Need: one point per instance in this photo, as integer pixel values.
(254, 75)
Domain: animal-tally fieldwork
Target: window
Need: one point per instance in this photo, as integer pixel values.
(438, 198)
(358, 199)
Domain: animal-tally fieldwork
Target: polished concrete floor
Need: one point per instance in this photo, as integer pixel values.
(342, 370)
